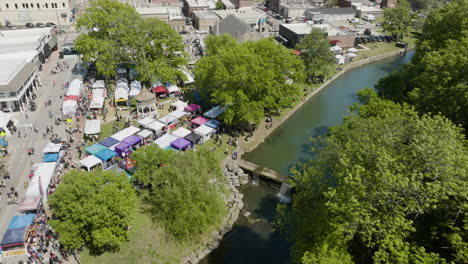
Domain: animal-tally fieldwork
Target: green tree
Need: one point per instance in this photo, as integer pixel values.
(93, 209)
(315, 51)
(115, 33)
(216, 44)
(187, 192)
(250, 78)
(387, 186)
(148, 160)
(435, 80)
(219, 5)
(397, 21)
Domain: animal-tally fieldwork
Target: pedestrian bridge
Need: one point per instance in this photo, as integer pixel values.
(262, 171)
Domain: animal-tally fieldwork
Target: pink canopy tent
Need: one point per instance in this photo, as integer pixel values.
(72, 97)
(200, 120)
(192, 107)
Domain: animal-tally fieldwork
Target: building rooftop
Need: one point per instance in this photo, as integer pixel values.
(152, 10)
(331, 31)
(9, 68)
(341, 10)
(366, 8)
(211, 4)
(247, 14)
(206, 14)
(299, 28)
(306, 28)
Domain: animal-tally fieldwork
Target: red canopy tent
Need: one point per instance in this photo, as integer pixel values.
(72, 98)
(296, 52)
(160, 89)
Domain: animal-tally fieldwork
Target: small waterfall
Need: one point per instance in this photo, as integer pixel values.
(255, 178)
(283, 194)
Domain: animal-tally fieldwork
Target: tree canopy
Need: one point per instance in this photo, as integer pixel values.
(387, 186)
(315, 51)
(93, 209)
(250, 78)
(186, 195)
(115, 33)
(435, 80)
(397, 21)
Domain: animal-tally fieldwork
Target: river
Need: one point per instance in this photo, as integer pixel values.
(253, 239)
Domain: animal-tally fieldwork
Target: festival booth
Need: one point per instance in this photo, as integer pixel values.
(178, 113)
(181, 144)
(4, 120)
(179, 105)
(146, 121)
(121, 93)
(121, 135)
(181, 132)
(52, 148)
(109, 142)
(215, 111)
(192, 108)
(72, 98)
(39, 184)
(99, 84)
(213, 124)
(170, 122)
(198, 121)
(165, 140)
(193, 138)
(135, 88)
(173, 90)
(205, 132)
(161, 91)
(75, 87)
(90, 162)
(336, 49)
(13, 241)
(92, 127)
(51, 157)
(339, 59)
(106, 156)
(97, 102)
(146, 135)
(95, 148)
(157, 127)
(349, 57)
(352, 50)
(69, 107)
(29, 204)
(146, 104)
(122, 149)
(133, 140)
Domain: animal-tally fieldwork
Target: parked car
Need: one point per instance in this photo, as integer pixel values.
(49, 24)
(41, 25)
(29, 25)
(354, 20)
(278, 16)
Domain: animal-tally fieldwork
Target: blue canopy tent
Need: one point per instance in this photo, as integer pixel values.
(13, 238)
(108, 142)
(20, 221)
(95, 148)
(105, 154)
(215, 111)
(51, 157)
(213, 123)
(3, 142)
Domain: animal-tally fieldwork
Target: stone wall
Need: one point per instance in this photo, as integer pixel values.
(235, 177)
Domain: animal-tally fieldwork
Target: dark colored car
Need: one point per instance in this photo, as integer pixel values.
(183, 32)
(49, 24)
(41, 25)
(29, 25)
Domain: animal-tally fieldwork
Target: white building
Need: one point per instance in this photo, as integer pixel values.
(21, 54)
(20, 12)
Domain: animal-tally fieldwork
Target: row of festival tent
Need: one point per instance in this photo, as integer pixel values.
(122, 143)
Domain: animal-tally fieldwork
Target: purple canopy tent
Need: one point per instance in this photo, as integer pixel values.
(199, 120)
(132, 140)
(122, 148)
(192, 107)
(180, 143)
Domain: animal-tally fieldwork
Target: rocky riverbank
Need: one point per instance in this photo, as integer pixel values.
(235, 177)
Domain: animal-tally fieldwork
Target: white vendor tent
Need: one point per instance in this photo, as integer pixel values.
(181, 132)
(178, 113)
(339, 59)
(146, 121)
(4, 119)
(336, 49)
(352, 50)
(135, 88)
(121, 135)
(173, 89)
(121, 94)
(97, 102)
(69, 107)
(165, 141)
(75, 90)
(99, 84)
(145, 133)
(92, 127)
(215, 111)
(204, 131)
(41, 180)
(52, 148)
(90, 161)
(76, 84)
(168, 120)
(352, 55)
(122, 85)
(179, 105)
(156, 126)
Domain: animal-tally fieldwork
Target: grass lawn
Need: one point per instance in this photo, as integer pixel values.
(146, 244)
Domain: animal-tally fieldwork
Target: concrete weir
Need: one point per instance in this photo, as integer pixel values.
(262, 171)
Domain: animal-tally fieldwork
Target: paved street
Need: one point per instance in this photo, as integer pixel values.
(20, 164)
